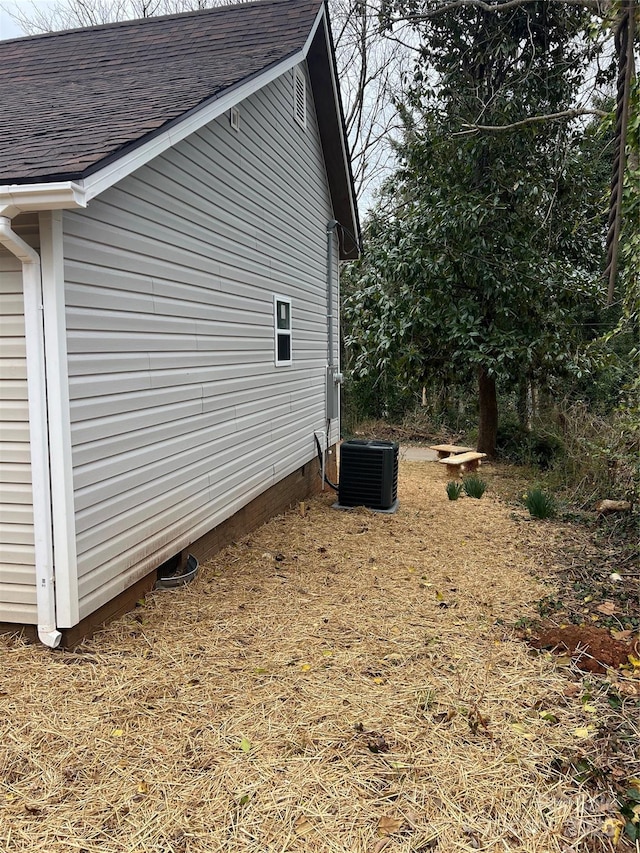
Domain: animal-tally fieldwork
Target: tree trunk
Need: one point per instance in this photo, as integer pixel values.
(523, 403)
(488, 425)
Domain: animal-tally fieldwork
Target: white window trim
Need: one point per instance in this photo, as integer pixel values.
(299, 79)
(276, 331)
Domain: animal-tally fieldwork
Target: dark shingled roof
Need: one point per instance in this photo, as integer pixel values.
(72, 100)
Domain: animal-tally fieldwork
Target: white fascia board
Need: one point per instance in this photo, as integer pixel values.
(19, 198)
(119, 169)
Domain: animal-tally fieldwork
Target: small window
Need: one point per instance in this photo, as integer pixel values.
(282, 330)
(300, 96)
(234, 118)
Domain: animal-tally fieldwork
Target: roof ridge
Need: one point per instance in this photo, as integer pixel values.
(153, 19)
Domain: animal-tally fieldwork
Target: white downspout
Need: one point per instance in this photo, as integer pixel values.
(39, 431)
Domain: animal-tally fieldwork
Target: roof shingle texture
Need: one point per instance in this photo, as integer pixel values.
(72, 99)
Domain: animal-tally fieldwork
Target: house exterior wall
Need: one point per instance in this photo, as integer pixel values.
(17, 563)
(179, 416)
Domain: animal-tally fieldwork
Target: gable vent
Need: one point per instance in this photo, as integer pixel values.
(234, 118)
(300, 97)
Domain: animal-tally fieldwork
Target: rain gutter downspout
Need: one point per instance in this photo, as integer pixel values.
(331, 226)
(39, 430)
(333, 377)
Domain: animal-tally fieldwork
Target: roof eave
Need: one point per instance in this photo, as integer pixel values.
(333, 135)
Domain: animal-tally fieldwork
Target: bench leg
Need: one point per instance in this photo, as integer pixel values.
(443, 454)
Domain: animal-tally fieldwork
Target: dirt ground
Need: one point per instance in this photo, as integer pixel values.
(337, 681)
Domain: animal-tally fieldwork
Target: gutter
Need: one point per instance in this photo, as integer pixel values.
(38, 429)
(18, 198)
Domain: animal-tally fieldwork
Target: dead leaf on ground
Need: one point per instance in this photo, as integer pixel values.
(444, 716)
(621, 635)
(584, 732)
(612, 829)
(627, 688)
(377, 742)
(607, 607)
(389, 825)
(302, 825)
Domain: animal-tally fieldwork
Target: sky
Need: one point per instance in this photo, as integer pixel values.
(8, 28)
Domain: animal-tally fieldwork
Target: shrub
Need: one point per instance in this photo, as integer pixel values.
(538, 446)
(474, 486)
(540, 504)
(454, 490)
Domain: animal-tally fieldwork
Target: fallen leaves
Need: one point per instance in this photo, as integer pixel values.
(389, 825)
(583, 732)
(621, 635)
(612, 829)
(522, 730)
(302, 825)
(626, 687)
(376, 742)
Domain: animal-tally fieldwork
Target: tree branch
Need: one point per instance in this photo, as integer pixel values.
(594, 5)
(496, 128)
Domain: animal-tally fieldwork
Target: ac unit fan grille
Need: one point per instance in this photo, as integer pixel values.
(368, 474)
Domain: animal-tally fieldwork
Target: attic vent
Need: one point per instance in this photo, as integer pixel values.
(300, 97)
(234, 118)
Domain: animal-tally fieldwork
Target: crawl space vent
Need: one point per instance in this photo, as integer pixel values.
(369, 475)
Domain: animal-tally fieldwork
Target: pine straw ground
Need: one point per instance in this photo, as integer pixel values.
(336, 682)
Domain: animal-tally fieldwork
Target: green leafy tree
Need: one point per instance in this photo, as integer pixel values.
(482, 259)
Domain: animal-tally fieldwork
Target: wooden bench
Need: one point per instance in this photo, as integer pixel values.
(444, 450)
(462, 462)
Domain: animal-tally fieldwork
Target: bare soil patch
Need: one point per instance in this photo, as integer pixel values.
(594, 649)
(342, 681)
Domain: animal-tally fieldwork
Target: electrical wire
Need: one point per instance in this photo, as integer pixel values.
(326, 479)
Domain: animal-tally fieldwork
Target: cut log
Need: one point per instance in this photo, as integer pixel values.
(606, 507)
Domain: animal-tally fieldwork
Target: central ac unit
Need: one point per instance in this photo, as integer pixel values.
(369, 474)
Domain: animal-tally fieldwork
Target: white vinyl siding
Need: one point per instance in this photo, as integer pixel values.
(17, 562)
(179, 416)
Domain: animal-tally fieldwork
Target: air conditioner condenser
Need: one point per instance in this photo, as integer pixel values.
(368, 475)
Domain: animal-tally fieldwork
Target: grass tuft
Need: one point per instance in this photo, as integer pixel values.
(474, 486)
(454, 490)
(540, 504)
